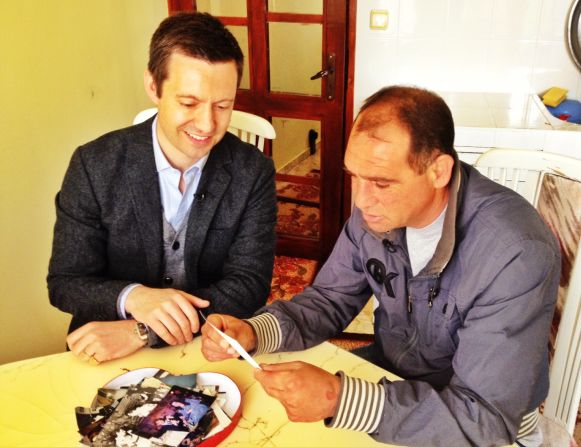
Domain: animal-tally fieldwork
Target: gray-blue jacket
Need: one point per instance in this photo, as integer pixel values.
(469, 332)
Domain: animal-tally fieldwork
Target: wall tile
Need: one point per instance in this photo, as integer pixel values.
(474, 137)
(519, 139)
(553, 67)
(383, 53)
(420, 18)
(470, 19)
(509, 65)
(442, 64)
(513, 46)
(563, 142)
(554, 14)
(517, 19)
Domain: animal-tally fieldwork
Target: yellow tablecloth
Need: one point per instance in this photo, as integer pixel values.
(38, 396)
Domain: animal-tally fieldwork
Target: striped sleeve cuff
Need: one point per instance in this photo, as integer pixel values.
(360, 405)
(529, 423)
(268, 333)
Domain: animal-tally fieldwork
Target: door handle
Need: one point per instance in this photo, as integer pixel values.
(328, 73)
(320, 74)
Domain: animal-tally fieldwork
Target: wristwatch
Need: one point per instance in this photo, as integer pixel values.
(142, 331)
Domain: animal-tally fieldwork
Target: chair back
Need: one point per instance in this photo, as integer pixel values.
(144, 115)
(552, 183)
(249, 128)
(522, 170)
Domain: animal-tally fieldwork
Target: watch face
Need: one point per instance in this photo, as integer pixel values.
(141, 331)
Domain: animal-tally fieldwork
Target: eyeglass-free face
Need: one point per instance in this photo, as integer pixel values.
(387, 190)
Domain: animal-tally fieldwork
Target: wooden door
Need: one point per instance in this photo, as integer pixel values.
(285, 43)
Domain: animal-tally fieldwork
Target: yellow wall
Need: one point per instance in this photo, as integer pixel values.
(70, 70)
(292, 141)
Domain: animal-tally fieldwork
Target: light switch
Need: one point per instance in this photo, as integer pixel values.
(378, 19)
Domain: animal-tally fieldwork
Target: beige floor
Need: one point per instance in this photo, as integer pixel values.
(305, 166)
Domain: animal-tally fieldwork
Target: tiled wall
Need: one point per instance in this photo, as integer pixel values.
(465, 45)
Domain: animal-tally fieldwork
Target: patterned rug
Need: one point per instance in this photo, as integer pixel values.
(290, 276)
(298, 220)
(298, 193)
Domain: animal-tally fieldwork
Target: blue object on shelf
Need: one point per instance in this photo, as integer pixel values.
(569, 110)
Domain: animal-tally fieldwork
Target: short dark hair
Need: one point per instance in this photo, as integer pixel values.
(194, 34)
(423, 113)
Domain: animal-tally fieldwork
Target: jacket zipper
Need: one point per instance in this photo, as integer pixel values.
(434, 291)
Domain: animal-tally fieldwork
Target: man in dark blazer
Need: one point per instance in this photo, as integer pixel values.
(175, 214)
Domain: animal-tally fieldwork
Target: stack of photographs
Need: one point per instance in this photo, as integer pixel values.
(159, 411)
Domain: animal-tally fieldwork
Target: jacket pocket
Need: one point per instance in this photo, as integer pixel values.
(437, 327)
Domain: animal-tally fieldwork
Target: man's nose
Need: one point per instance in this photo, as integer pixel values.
(204, 120)
(363, 193)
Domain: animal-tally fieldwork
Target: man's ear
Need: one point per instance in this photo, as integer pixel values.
(150, 86)
(440, 170)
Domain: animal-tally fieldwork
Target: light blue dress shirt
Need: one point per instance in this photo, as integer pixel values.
(175, 204)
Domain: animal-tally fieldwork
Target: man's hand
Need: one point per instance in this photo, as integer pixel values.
(215, 348)
(105, 340)
(170, 313)
(308, 393)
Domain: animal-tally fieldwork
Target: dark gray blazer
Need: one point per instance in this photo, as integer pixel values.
(108, 231)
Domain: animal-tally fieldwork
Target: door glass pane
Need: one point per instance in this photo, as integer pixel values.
(241, 35)
(296, 155)
(300, 7)
(295, 51)
(226, 8)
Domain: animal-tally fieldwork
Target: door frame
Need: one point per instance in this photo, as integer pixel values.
(335, 199)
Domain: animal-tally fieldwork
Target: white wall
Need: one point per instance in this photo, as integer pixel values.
(70, 71)
(465, 45)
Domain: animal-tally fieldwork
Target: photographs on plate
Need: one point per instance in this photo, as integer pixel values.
(159, 410)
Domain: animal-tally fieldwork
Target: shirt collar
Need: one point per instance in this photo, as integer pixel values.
(161, 162)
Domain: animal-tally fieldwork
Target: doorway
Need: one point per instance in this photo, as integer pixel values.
(295, 76)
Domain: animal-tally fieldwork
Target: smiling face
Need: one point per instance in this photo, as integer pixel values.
(194, 108)
(387, 190)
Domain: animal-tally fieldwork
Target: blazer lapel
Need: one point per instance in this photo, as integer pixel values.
(213, 185)
(144, 184)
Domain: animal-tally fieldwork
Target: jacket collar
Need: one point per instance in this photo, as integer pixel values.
(214, 184)
(144, 184)
(445, 247)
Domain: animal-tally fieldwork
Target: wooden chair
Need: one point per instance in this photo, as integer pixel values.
(552, 183)
(249, 128)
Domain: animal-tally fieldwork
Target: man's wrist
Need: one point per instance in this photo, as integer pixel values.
(122, 301)
(253, 337)
(267, 331)
(142, 332)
